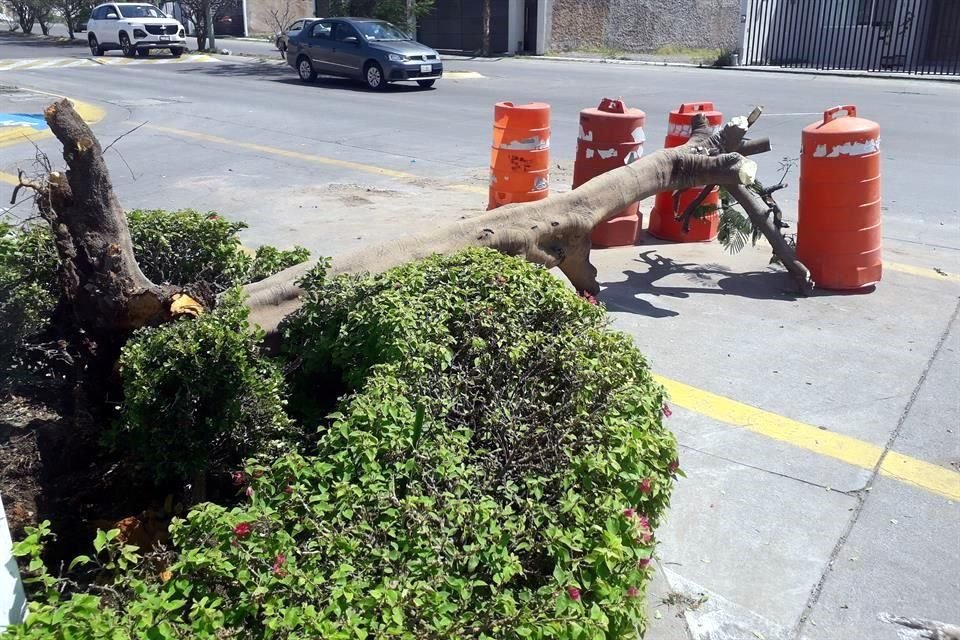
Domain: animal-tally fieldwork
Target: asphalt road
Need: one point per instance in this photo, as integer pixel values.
(836, 503)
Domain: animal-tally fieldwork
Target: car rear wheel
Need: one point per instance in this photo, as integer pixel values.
(426, 84)
(373, 75)
(305, 69)
(128, 49)
(95, 47)
(176, 52)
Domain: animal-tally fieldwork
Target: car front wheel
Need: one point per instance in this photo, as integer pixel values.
(95, 47)
(305, 69)
(373, 75)
(426, 84)
(128, 49)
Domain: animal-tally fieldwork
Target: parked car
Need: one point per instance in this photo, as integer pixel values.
(372, 51)
(281, 37)
(133, 28)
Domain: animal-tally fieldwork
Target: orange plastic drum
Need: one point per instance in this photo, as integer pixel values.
(611, 136)
(838, 230)
(520, 157)
(663, 218)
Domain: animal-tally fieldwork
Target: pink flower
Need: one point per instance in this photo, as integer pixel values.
(278, 565)
(644, 522)
(633, 592)
(674, 466)
(629, 514)
(249, 492)
(645, 563)
(574, 594)
(646, 537)
(238, 478)
(589, 297)
(666, 410)
(646, 485)
(242, 530)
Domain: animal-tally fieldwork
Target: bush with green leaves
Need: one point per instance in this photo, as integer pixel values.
(496, 469)
(28, 272)
(198, 394)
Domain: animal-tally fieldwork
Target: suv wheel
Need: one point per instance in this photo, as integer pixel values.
(95, 47)
(176, 52)
(373, 76)
(128, 49)
(305, 69)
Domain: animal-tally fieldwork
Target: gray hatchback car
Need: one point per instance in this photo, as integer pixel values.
(372, 51)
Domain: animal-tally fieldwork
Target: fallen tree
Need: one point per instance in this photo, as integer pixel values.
(107, 291)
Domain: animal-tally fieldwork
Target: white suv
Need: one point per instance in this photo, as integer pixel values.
(133, 28)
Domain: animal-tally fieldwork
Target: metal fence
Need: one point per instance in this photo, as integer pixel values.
(905, 36)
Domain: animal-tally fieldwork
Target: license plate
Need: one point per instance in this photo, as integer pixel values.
(426, 68)
(164, 37)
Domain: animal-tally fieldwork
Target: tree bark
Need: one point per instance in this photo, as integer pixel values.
(486, 47)
(102, 285)
(108, 293)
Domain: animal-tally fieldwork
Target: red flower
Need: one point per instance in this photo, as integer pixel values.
(666, 410)
(242, 530)
(574, 594)
(629, 514)
(645, 486)
(674, 466)
(646, 537)
(288, 490)
(645, 563)
(633, 592)
(278, 565)
(644, 522)
(238, 478)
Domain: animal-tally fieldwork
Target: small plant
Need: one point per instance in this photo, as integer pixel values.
(198, 395)
(28, 272)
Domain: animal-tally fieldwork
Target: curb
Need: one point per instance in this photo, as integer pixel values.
(90, 113)
(839, 73)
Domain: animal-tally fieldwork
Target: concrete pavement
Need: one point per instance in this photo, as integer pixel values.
(772, 534)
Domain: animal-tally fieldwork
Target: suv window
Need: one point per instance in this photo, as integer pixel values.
(141, 11)
(321, 30)
(101, 12)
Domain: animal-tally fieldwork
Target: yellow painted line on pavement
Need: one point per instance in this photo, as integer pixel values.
(462, 75)
(923, 272)
(930, 477)
(307, 157)
(90, 113)
(9, 179)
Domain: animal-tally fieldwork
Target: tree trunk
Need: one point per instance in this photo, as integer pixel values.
(108, 293)
(411, 14)
(487, 44)
(104, 291)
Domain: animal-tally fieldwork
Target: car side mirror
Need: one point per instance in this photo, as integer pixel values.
(112, 16)
(352, 40)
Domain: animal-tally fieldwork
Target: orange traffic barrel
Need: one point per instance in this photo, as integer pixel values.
(838, 226)
(611, 135)
(520, 156)
(663, 218)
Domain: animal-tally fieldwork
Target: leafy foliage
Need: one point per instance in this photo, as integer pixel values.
(198, 394)
(496, 469)
(28, 272)
(394, 11)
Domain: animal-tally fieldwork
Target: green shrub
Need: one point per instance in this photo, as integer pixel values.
(270, 260)
(28, 272)
(198, 394)
(496, 471)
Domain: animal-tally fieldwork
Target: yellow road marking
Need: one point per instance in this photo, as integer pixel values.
(462, 75)
(923, 272)
(9, 136)
(9, 178)
(930, 477)
(308, 157)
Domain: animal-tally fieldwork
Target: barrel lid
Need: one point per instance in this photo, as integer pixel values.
(614, 108)
(842, 121)
(687, 110)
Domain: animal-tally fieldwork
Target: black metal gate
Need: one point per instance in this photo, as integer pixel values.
(905, 36)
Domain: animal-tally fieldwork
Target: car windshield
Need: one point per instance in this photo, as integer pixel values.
(141, 11)
(380, 31)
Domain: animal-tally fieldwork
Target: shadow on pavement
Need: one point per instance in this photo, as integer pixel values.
(772, 284)
(20, 40)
